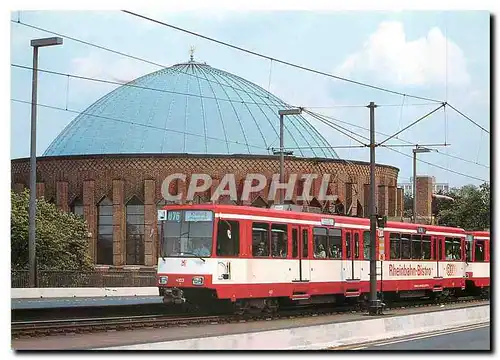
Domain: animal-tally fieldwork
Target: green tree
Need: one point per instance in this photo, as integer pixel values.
(407, 206)
(469, 210)
(61, 238)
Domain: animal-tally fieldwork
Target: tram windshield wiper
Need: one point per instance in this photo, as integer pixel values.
(190, 253)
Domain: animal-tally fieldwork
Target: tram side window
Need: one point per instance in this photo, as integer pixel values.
(448, 248)
(279, 240)
(320, 242)
(416, 247)
(468, 251)
(479, 253)
(426, 247)
(335, 240)
(405, 247)
(305, 244)
(453, 248)
(348, 245)
(295, 243)
(260, 239)
(457, 249)
(395, 240)
(228, 238)
(366, 244)
(356, 245)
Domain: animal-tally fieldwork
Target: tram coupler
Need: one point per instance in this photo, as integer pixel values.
(173, 296)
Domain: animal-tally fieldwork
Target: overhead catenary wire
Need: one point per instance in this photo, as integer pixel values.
(295, 65)
(116, 52)
(136, 123)
(163, 66)
(435, 165)
(329, 123)
(412, 124)
(364, 105)
(130, 84)
(336, 127)
(236, 89)
(462, 159)
(277, 60)
(160, 65)
(401, 139)
(468, 118)
(220, 139)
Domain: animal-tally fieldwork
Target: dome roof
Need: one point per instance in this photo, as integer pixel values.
(187, 108)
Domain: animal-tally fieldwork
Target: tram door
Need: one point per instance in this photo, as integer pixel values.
(352, 264)
(438, 249)
(300, 251)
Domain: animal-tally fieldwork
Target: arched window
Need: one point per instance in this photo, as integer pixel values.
(105, 232)
(77, 207)
(135, 232)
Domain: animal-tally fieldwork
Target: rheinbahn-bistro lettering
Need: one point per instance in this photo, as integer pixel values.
(409, 270)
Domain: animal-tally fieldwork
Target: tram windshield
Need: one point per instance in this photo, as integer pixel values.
(187, 233)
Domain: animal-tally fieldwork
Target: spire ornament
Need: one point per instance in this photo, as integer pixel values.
(191, 53)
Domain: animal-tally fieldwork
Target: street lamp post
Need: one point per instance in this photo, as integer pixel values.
(417, 150)
(283, 113)
(36, 43)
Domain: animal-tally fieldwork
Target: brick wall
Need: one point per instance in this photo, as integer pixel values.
(119, 222)
(90, 214)
(399, 202)
(121, 177)
(62, 195)
(391, 209)
(424, 199)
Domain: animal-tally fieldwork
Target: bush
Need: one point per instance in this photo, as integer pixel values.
(61, 238)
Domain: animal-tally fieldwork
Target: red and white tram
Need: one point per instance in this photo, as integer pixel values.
(258, 258)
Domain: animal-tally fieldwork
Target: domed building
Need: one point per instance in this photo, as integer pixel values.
(109, 163)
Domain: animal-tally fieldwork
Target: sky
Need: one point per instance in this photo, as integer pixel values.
(432, 54)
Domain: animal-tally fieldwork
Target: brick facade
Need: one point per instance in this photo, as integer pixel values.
(391, 203)
(62, 196)
(90, 214)
(399, 202)
(119, 222)
(119, 177)
(424, 199)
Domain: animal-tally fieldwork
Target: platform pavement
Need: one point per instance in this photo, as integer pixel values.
(38, 293)
(36, 298)
(473, 338)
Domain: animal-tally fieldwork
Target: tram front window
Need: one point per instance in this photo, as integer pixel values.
(187, 233)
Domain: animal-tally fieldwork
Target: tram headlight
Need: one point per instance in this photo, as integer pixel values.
(198, 280)
(163, 280)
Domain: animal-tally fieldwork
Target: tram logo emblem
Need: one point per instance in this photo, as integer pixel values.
(451, 269)
(183, 262)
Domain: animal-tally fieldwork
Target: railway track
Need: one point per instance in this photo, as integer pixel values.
(53, 327)
(86, 325)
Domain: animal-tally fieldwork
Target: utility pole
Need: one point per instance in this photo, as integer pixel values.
(282, 156)
(374, 303)
(282, 113)
(36, 43)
